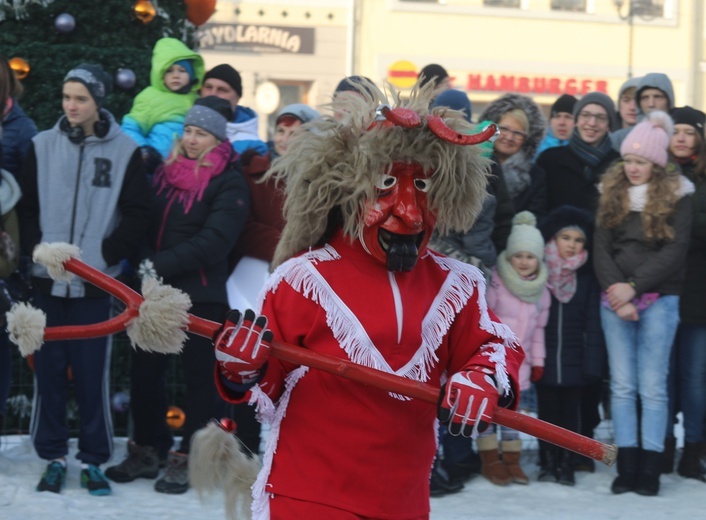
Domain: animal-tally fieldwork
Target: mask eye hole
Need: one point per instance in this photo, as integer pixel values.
(385, 182)
(422, 185)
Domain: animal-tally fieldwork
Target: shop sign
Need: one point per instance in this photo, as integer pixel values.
(256, 38)
(534, 84)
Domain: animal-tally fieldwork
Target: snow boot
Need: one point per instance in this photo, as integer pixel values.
(565, 470)
(690, 463)
(53, 478)
(548, 463)
(627, 471)
(670, 448)
(440, 484)
(649, 472)
(511, 459)
(176, 479)
(141, 462)
(492, 467)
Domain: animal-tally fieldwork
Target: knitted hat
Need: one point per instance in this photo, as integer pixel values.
(564, 103)
(649, 139)
(211, 114)
(689, 116)
(597, 98)
(456, 100)
(525, 236)
(567, 217)
(302, 112)
(353, 84)
(434, 72)
(188, 66)
(226, 73)
(92, 76)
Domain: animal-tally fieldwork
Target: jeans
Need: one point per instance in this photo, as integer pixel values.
(691, 379)
(638, 357)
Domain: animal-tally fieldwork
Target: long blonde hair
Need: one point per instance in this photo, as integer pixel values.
(614, 204)
(178, 151)
(331, 168)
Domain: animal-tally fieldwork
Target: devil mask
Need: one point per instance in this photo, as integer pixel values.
(398, 224)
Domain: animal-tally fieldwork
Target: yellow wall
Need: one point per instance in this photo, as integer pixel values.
(465, 37)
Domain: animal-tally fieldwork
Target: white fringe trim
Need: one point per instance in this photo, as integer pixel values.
(469, 276)
(261, 498)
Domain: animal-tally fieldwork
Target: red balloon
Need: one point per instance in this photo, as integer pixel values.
(199, 11)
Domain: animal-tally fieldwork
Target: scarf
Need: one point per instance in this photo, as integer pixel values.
(186, 182)
(516, 173)
(638, 194)
(526, 290)
(590, 155)
(562, 271)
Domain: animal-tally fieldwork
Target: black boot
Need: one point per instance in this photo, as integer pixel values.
(690, 463)
(648, 477)
(439, 483)
(565, 474)
(627, 471)
(549, 465)
(670, 448)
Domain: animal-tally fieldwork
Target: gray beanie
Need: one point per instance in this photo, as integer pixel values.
(209, 114)
(597, 98)
(94, 78)
(302, 112)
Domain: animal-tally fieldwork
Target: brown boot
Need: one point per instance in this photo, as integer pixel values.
(492, 467)
(511, 459)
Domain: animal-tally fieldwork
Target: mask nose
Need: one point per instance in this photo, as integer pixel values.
(406, 208)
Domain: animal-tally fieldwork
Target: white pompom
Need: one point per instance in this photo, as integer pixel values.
(661, 120)
(524, 217)
(52, 256)
(25, 325)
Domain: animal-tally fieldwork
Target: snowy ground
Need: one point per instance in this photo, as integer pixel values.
(20, 470)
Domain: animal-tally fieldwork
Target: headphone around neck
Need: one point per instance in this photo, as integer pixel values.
(76, 134)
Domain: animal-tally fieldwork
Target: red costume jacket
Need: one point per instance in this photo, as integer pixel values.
(351, 446)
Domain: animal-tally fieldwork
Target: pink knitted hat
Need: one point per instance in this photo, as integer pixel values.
(650, 138)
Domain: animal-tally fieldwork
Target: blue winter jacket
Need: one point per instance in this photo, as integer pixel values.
(17, 133)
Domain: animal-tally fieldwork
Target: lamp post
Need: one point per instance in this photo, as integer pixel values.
(634, 7)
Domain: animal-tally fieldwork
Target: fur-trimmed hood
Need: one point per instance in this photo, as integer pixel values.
(332, 167)
(537, 121)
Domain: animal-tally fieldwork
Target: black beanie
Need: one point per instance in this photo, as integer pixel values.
(689, 116)
(94, 78)
(226, 73)
(220, 105)
(564, 103)
(564, 217)
(434, 72)
(354, 84)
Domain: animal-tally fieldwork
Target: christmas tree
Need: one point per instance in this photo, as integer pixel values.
(53, 36)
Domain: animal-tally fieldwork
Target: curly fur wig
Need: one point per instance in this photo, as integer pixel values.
(330, 170)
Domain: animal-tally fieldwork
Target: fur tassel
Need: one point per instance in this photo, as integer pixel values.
(216, 461)
(162, 319)
(25, 325)
(53, 256)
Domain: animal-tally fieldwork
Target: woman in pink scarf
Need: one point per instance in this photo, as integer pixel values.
(575, 352)
(200, 207)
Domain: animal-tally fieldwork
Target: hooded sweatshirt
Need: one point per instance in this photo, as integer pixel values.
(652, 80)
(157, 114)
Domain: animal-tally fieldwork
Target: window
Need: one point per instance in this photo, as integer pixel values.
(648, 8)
(569, 5)
(502, 3)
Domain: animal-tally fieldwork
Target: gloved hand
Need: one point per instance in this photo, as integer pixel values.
(537, 373)
(242, 347)
(468, 401)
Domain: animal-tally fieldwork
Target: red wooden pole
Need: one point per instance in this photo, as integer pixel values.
(524, 423)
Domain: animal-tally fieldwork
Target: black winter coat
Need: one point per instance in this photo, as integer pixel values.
(573, 336)
(692, 309)
(192, 252)
(569, 180)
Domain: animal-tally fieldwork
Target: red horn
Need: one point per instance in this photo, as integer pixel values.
(439, 127)
(403, 117)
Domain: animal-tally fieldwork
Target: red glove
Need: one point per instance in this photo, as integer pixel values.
(242, 347)
(468, 401)
(537, 373)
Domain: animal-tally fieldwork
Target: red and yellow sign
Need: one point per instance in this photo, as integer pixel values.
(402, 74)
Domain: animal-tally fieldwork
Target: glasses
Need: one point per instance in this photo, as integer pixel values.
(514, 133)
(598, 118)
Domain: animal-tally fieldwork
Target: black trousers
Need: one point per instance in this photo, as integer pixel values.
(148, 389)
(560, 405)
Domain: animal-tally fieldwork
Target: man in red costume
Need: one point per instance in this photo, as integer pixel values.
(355, 280)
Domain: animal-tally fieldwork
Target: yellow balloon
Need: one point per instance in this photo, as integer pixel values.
(144, 11)
(20, 66)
